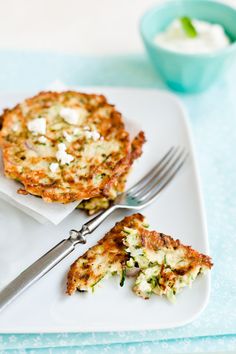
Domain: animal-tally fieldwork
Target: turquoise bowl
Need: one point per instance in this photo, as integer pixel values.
(189, 72)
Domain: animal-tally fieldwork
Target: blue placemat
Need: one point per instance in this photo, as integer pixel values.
(181, 346)
(213, 121)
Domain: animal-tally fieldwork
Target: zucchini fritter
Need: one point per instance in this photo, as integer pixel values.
(163, 265)
(67, 146)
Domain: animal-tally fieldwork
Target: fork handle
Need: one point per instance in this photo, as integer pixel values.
(50, 259)
(34, 272)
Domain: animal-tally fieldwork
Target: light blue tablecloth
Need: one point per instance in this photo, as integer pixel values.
(213, 121)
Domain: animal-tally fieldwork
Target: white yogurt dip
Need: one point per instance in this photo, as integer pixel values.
(208, 38)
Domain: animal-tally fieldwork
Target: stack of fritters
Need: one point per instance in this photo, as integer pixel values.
(67, 147)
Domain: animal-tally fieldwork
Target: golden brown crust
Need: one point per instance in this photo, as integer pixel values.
(173, 260)
(121, 172)
(153, 240)
(92, 173)
(137, 145)
(85, 272)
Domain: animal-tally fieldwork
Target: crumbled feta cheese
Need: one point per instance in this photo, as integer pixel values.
(76, 131)
(73, 116)
(54, 167)
(62, 155)
(92, 135)
(69, 115)
(135, 252)
(67, 136)
(16, 126)
(37, 126)
(42, 139)
(142, 283)
(95, 135)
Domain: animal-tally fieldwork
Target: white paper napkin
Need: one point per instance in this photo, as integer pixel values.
(32, 205)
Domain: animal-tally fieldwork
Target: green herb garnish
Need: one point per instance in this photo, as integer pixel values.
(93, 286)
(153, 281)
(188, 27)
(123, 276)
(165, 262)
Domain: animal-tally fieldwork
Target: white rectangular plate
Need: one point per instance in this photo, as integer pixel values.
(178, 212)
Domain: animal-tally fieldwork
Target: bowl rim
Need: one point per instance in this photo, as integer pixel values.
(154, 45)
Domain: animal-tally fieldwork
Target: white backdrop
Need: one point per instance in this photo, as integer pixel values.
(83, 26)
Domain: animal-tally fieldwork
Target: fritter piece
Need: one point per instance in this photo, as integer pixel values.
(161, 265)
(103, 260)
(166, 266)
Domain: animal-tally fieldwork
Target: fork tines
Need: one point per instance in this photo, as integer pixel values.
(162, 173)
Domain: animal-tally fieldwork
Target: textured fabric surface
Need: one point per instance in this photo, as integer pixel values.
(182, 346)
(212, 117)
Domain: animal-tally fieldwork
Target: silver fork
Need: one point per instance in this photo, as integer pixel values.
(137, 197)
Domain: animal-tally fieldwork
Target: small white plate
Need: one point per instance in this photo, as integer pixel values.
(178, 212)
